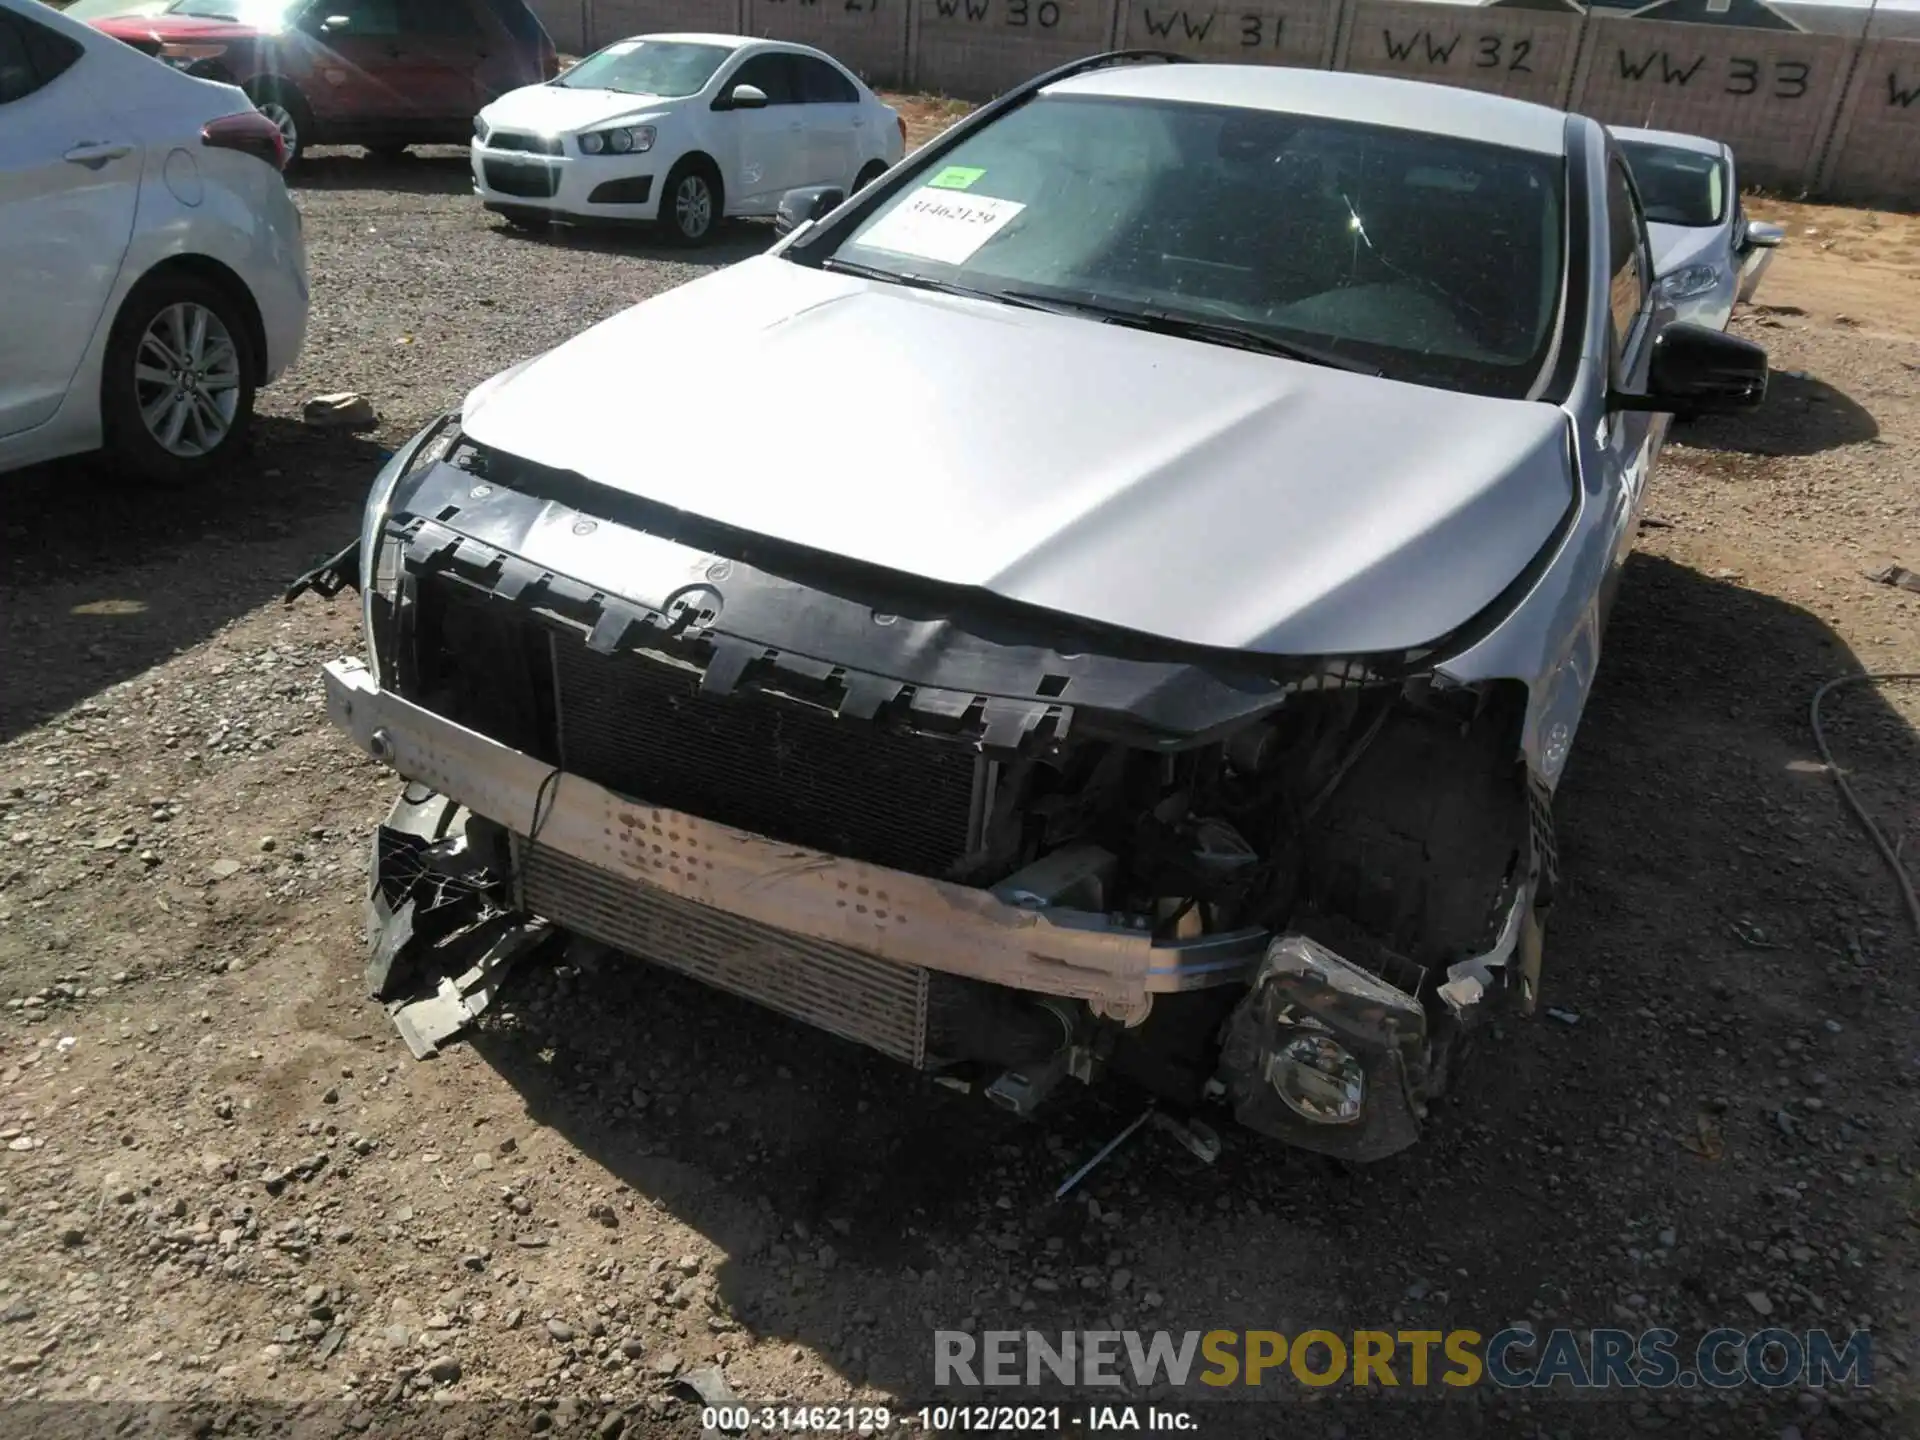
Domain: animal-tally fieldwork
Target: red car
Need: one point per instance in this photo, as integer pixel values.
(384, 74)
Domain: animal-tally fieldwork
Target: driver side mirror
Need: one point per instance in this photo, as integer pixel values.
(1763, 235)
(810, 202)
(742, 97)
(1697, 370)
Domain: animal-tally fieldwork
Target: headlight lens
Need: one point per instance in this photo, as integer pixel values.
(1689, 281)
(622, 140)
(1318, 1078)
(479, 129)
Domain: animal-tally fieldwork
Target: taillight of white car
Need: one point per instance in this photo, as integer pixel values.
(249, 132)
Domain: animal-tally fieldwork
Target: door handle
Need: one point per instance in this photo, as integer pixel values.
(95, 153)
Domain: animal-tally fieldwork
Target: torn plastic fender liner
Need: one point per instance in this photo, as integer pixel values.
(1381, 1026)
(437, 869)
(329, 577)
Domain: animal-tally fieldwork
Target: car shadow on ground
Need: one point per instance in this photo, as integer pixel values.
(1802, 415)
(737, 240)
(100, 580)
(427, 170)
(844, 1191)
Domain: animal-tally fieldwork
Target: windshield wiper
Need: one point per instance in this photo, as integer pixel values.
(1015, 298)
(1187, 327)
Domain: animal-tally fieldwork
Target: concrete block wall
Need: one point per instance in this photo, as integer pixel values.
(1831, 114)
(1271, 32)
(867, 36)
(974, 49)
(1771, 94)
(1528, 54)
(1875, 154)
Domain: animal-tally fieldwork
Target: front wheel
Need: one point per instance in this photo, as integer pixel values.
(690, 203)
(176, 397)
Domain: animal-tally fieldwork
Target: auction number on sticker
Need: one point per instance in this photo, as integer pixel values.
(826, 1419)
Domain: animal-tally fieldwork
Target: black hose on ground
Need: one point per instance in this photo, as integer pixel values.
(1880, 841)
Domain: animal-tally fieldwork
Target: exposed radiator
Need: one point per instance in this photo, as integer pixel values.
(643, 729)
(833, 987)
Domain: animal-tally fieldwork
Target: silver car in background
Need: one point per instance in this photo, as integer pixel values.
(1189, 503)
(1706, 250)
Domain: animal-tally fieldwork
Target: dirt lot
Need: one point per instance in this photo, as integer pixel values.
(223, 1180)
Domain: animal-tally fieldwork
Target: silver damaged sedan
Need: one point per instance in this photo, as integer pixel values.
(1707, 251)
(1112, 599)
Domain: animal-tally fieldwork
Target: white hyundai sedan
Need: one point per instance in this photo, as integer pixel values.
(152, 270)
(683, 129)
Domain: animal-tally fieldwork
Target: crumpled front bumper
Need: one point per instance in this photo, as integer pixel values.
(908, 919)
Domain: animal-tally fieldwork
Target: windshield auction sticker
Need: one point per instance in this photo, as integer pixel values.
(942, 225)
(957, 177)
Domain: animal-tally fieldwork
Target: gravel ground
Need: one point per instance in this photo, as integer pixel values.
(223, 1181)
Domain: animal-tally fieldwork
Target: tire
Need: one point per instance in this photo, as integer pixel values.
(176, 394)
(869, 173)
(686, 220)
(283, 105)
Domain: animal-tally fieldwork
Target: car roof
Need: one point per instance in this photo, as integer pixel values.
(1699, 144)
(696, 37)
(739, 42)
(1447, 110)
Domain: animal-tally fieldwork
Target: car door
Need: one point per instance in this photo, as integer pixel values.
(507, 60)
(765, 149)
(1630, 438)
(69, 184)
(833, 120)
(361, 78)
(444, 58)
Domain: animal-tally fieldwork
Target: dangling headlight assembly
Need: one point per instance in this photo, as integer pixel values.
(1326, 1055)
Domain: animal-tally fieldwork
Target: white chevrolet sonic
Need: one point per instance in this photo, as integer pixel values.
(152, 270)
(683, 129)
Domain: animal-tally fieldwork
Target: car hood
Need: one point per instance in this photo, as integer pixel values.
(1212, 496)
(559, 109)
(175, 27)
(1675, 246)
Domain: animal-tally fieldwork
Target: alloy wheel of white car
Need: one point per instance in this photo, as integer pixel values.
(187, 380)
(693, 207)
